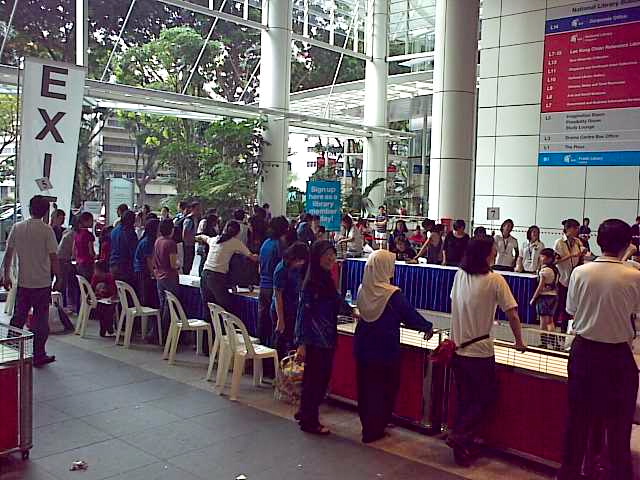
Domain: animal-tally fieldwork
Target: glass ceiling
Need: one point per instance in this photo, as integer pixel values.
(337, 26)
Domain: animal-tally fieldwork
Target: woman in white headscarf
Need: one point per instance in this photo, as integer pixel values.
(382, 309)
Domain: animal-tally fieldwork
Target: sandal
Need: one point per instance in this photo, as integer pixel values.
(316, 430)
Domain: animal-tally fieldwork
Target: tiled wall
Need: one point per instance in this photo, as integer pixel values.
(507, 172)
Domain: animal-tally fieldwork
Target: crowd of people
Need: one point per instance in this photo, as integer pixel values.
(299, 303)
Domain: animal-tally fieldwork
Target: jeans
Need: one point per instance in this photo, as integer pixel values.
(603, 385)
(475, 380)
(39, 299)
(203, 258)
(561, 317)
(318, 365)
(164, 285)
(378, 385)
(265, 323)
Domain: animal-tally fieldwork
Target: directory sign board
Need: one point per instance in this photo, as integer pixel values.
(590, 106)
(324, 199)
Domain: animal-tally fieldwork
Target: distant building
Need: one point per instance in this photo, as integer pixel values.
(114, 157)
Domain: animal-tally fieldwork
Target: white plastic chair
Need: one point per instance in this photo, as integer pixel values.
(220, 338)
(239, 353)
(88, 302)
(129, 313)
(180, 323)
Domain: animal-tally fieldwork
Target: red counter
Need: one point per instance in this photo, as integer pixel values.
(530, 414)
(410, 401)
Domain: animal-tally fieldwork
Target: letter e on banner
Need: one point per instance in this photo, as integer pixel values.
(51, 113)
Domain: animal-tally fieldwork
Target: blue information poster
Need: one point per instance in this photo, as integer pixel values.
(590, 108)
(324, 199)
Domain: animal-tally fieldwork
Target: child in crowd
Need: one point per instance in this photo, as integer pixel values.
(104, 246)
(84, 252)
(418, 238)
(403, 250)
(545, 297)
(322, 234)
(104, 286)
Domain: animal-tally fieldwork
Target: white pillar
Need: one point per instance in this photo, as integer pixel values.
(375, 94)
(275, 81)
(454, 109)
(82, 32)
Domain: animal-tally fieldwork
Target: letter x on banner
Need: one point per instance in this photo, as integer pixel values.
(52, 94)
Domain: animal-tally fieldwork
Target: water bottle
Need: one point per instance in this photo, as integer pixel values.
(348, 297)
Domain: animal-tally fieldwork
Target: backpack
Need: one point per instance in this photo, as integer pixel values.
(177, 229)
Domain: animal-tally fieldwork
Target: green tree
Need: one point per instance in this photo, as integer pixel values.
(8, 135)
(84, 185)
(230, 168)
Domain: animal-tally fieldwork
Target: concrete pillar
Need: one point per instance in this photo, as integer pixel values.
(454, 109)
(375, 106)
(275, 81)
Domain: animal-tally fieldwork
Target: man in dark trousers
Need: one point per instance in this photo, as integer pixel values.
(34, 243)
(603, 297)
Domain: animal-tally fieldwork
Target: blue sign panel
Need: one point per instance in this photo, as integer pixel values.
(324, 199)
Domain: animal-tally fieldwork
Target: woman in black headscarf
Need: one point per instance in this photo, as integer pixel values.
(317, 333)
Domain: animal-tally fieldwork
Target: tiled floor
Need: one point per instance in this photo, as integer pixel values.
(131, 416)
(126, 422)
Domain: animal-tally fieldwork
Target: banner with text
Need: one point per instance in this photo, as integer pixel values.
(52, 95)
(590, 107)
(324, 199)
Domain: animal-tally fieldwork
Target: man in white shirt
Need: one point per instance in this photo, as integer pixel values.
(603, 297)
(34, 243)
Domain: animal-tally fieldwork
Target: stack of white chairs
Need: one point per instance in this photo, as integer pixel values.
(236, 352)
(220, 338)
(180, 323)
(130, 312)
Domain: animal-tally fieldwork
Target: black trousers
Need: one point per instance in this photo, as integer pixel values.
(284, 342)
(214, 288)
(163, 286)
(146, 289)
(39, 299)
(475, 380)
(265, 322)
(189, 256)
(124, 273)
(318, 364)
(378, 385)
(85, 270)
(603, 385)
(105, 314)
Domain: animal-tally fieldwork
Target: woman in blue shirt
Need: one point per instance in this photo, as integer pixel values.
(317, 333)
(143, 264)
(382, 308)
(270, 255)
(287, 280)
(123, 247)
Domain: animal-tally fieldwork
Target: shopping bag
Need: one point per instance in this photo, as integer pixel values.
(55, 324)
(289, 382)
